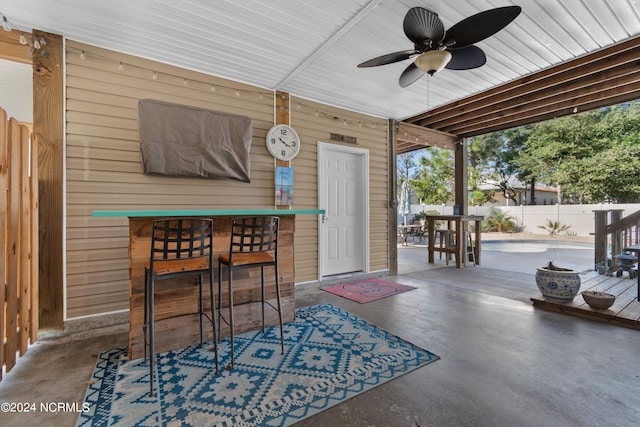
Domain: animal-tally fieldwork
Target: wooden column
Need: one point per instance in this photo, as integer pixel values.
(392, 222)
(461, 176)
(48, 73)
(282, 110)
(600, 240)
(616, 237)
(282, 117)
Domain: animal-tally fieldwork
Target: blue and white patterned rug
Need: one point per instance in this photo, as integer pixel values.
(330, 356)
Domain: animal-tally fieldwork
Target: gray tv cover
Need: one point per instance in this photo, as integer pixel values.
(178, 140)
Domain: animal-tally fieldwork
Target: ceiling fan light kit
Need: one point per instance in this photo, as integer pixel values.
(437, 48)
(433, 61)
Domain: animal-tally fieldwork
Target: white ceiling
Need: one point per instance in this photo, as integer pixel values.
(310, 48)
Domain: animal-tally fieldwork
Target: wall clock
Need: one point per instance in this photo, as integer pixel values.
(283, 142)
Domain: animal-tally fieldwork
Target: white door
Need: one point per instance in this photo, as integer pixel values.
(343, 192)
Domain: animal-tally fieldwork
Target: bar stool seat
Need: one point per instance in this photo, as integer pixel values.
(254, 243)
(250, 258)
(178, 265)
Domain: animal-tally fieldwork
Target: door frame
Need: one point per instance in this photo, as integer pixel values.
(363, 154)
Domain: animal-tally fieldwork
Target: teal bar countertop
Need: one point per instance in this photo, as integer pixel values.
(208, 212)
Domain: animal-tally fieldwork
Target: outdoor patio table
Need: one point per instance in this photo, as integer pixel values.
(405, 230)
(459, 224)
(636, 249)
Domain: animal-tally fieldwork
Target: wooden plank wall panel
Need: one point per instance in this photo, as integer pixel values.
(24, 294)
(18, 241)
(315, 122)
(35, 249)
(12, 240)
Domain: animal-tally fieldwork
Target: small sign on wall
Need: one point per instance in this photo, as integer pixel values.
(344, 138)
(284, 186)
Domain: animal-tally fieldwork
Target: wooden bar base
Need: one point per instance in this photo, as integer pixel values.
(176, 301)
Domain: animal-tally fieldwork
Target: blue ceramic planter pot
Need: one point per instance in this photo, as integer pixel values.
(556, 285)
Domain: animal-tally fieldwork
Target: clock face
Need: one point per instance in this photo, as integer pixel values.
(283, 142)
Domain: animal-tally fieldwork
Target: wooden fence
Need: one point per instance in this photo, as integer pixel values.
(18, 241)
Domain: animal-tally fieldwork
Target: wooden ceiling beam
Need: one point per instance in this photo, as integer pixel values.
(624, 63)
(416, 137)
(595, 62)
(11, 49)
(607, 77)
(630, 93)
(576, 98)
(546, 95)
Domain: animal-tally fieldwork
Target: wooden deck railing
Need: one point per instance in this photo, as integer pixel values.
(613, 233)
(18, 241)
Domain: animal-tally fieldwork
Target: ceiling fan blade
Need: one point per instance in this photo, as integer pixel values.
(389, 58)
(466, 58)
(410, 75)
(480, 26)
(421, 24)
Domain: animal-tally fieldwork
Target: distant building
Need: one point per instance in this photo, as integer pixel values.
(543, 194)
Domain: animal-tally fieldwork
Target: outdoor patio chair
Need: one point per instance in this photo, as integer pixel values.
(254, 243)
(179, 247)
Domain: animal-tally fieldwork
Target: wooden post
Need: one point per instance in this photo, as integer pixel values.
(392, 220)
(460, 154)
(282, 116)
(48, 73)
(616, 238)
(600, 239)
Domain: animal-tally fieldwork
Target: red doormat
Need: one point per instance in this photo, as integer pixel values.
(368, 290)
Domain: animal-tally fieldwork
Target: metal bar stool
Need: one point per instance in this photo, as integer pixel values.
(470, 252)
(179, 247)
(254, 243)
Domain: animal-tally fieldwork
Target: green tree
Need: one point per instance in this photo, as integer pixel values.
(594, 156)
(435, 177)
(479, 198)
(406, 169)
(406, 166)
(493, 159)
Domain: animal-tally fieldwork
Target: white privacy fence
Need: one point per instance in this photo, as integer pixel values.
(580, 218)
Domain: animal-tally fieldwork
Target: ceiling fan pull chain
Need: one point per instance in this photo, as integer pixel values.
(428, 95)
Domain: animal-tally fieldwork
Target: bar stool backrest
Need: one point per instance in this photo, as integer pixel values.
(181, 238)
(254, 234)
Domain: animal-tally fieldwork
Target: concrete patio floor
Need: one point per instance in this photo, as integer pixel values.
(503, 363)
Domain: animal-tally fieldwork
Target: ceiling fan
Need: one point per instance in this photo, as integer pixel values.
(437, 49)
